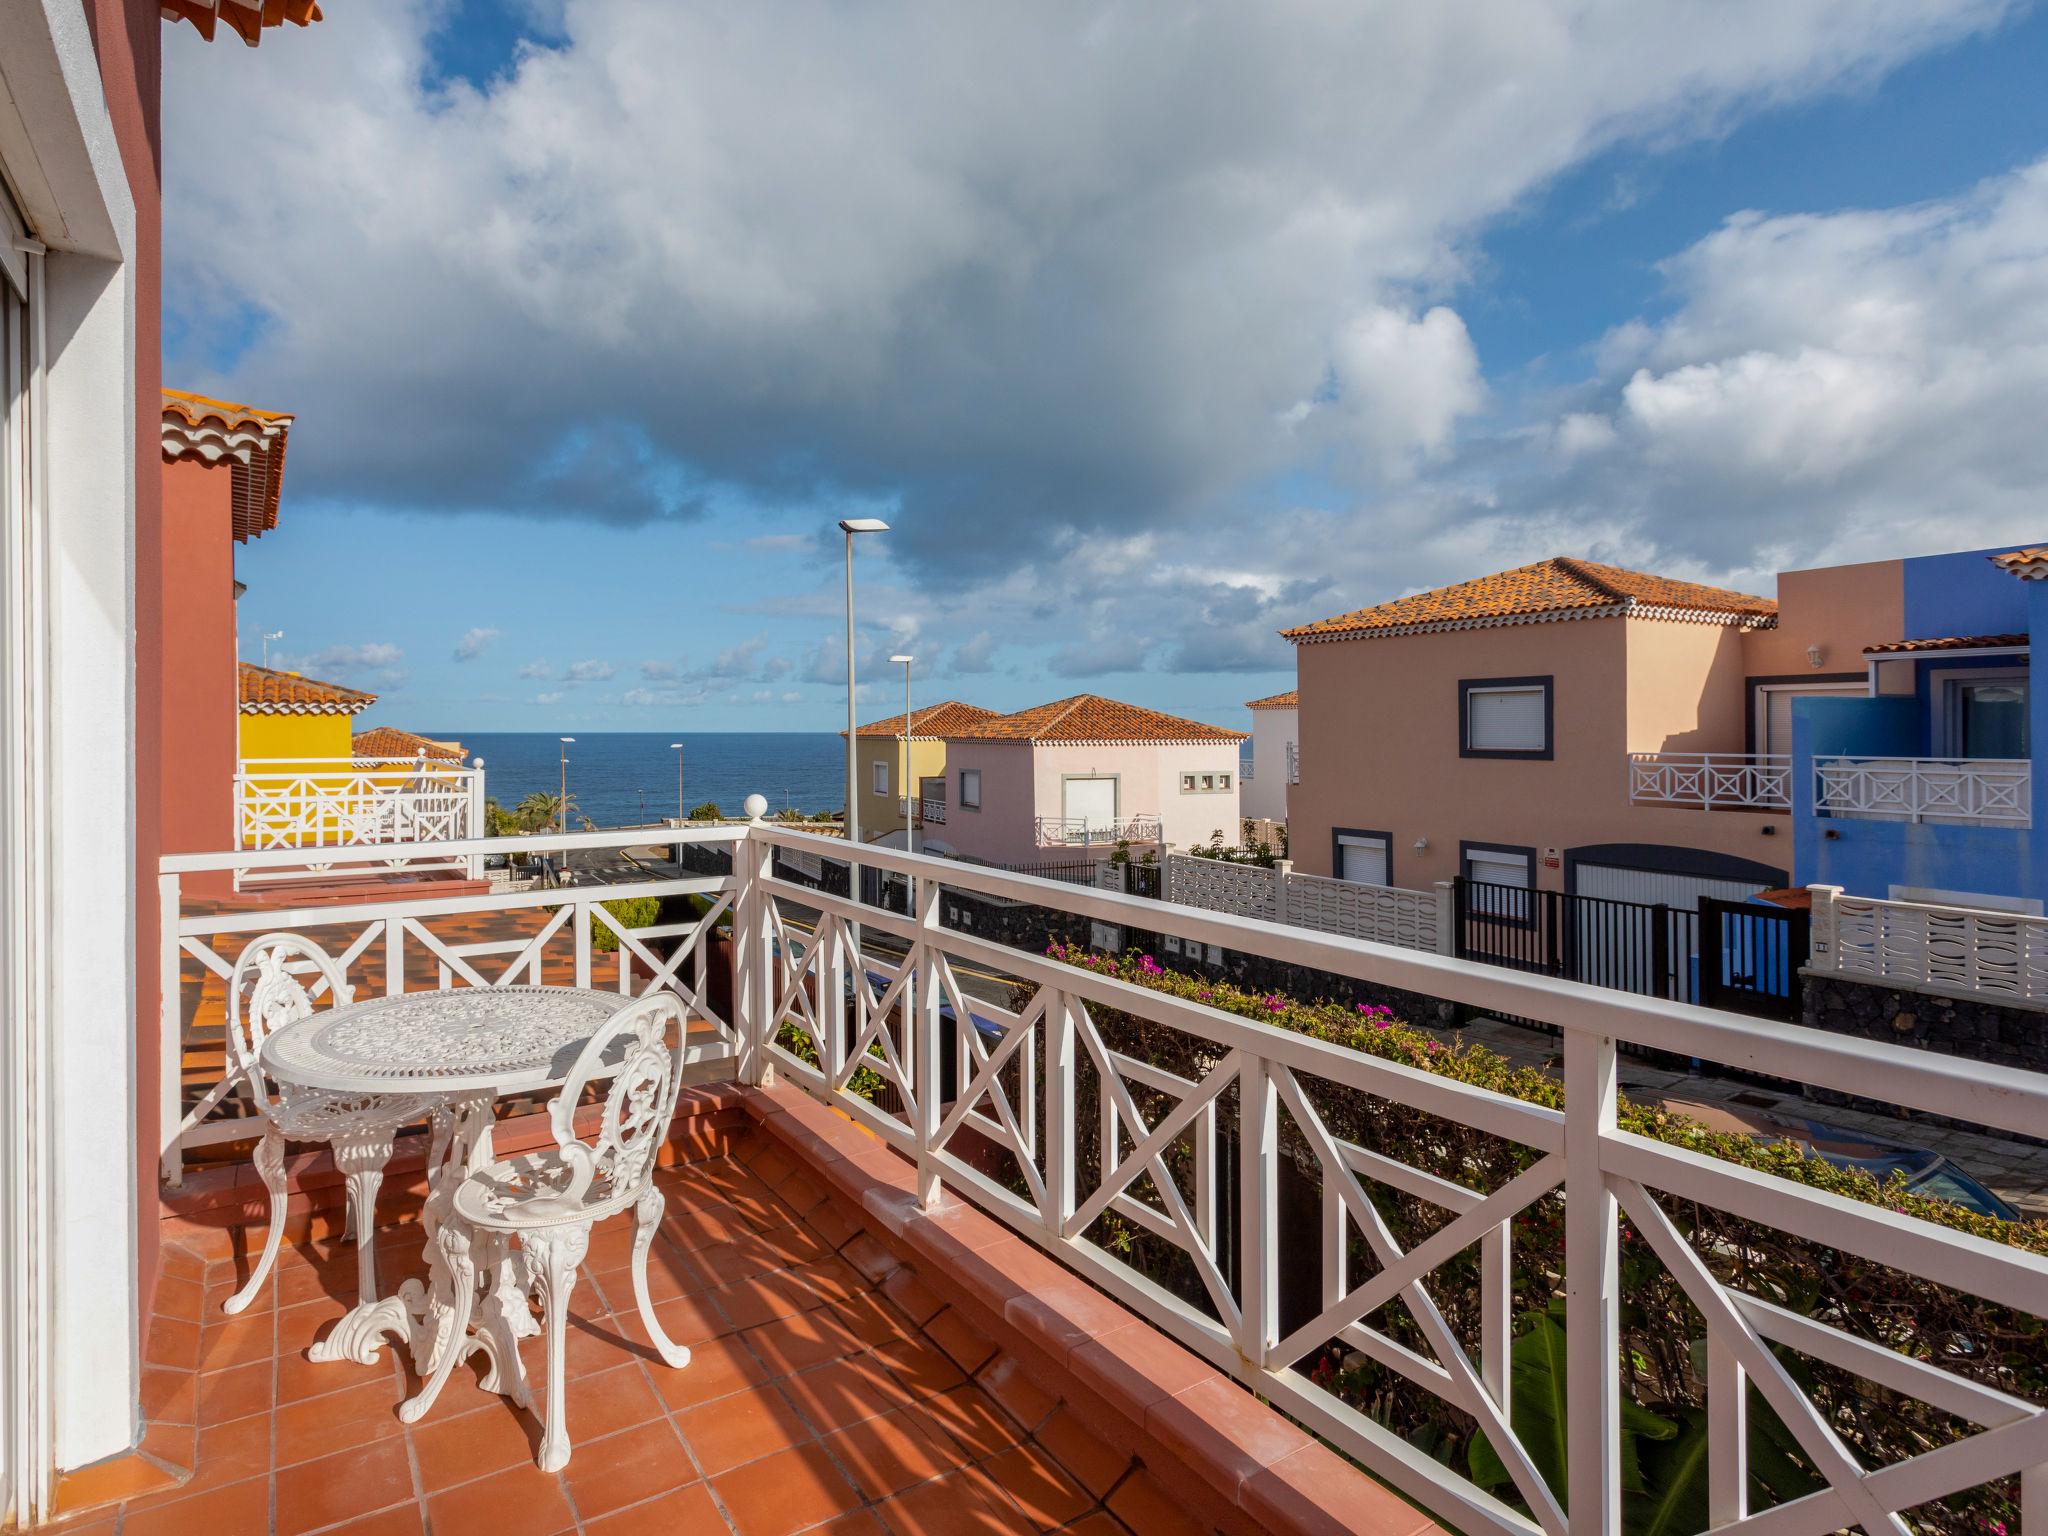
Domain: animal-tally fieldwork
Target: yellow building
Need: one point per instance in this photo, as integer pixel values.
(882, 772)
(284, 715)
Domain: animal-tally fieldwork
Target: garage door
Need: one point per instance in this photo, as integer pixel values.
(1091, 802)
(1683, 891)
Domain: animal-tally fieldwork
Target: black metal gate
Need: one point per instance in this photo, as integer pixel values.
(1751, 954)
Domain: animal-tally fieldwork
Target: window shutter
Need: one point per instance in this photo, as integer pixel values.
(1364, 860)
(1505, 720)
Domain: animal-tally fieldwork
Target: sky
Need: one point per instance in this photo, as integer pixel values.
(1149, 330)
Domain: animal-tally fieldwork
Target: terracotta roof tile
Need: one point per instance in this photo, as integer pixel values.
(1291, 699)
(246, 18)
(1090, 717)
(2028, 564)
(389, 741)
(1945, 643)
(1558, 588)
(248, 439)
(266, 692)
(934, 723)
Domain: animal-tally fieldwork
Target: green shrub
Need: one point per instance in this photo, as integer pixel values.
(708, 811)
(631, 912)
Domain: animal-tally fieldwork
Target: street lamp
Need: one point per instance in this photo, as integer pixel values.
(562, 810)
(850, 526)
(268, 636)
(677, 748)
(909, 827)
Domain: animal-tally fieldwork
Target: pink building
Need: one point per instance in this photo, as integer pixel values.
(1572, 726)
(1083, 773)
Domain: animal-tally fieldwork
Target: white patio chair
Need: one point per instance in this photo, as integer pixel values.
(360, 1128)
(550, 1199)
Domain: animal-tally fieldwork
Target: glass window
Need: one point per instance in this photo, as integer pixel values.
(1362, 858)
(881, 780)
(1991, 718)
(1507, 719)
(1187, 783)
(970, 788)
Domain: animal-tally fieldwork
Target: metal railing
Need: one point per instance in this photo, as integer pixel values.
(1053, 1128)
(1993, 790)
(1711, 780)
(1955, 951)
(351, 802)
(1078, 831)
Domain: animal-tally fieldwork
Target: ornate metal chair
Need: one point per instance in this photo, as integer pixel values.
(550, 1199)
(267, 991)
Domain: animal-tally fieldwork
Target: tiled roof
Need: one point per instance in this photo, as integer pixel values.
(265, 692)
(250, 440)
(1090, 717)
(1946, 643)
(1291, 699)
(932, 724)
(2027, 564)
(1559, 588)
(246, 18)
(389, 741)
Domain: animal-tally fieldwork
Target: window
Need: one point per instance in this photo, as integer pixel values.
(881, 781)
(1501, 878)
(970, 789)
(1990, 718)
(1364, 858)
(1204, 783)
(1504, 717)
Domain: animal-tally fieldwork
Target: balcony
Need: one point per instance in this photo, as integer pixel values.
(932, 810)
(1084, 831)
(1982, 791)
(1711, 781)
(352, 802)
(1026, 1282)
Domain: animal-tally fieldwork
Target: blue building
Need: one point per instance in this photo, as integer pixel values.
(1925, 789)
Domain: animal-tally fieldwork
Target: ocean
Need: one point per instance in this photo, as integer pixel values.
(621, 778)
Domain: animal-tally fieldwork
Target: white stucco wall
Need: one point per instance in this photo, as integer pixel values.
(1272, 730)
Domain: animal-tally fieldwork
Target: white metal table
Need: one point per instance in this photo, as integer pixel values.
(468, 1045)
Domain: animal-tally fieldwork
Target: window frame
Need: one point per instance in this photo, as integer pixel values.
(1467, 686)
(1526, 852)
(879, 775)
(970, 802)
(1337, 836)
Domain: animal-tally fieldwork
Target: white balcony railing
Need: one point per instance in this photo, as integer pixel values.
(1052, 1127)
(1711, 780)
(1983, 790)
(1954, 951)
(1078, 831)
(351, 802)
(932, 810)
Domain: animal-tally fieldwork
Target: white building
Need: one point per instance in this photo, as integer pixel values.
(1275, 730)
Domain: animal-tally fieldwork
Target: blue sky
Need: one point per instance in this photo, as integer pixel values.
(1139, 379)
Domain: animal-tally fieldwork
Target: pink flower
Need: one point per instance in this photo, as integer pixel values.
(1381, 1024)
(1148, 965)
(1205, 994)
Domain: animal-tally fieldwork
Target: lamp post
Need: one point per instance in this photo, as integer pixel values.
(268, 636)
(850, 526)
(909, 826)
(562, 809)
(677, 748)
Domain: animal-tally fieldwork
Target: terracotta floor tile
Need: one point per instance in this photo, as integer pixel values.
(173, 1342)
(858, 1523)
(400, 1520)
(973, 1420)
(787, 1492)
(320, 1426)
(179, 1297)
(1097, 1524)
(523, 1501)
(797, 1343)
(920, 1366)
(741, 1428)
(170, 1397)
(1094, 1462)
(962, 1503)
(888, 1454)
(911, 1295)
(299, 1378)
(749, 1303)
(1021, 1398)
(1036, 1485)
(228, 1453)
(1144, 1506)
(466, 1447)
(843, 1392)
(716, 1369)
(237, 1341)
(236, 1507)
(358, 1481)
(106, 1482)
(685, 1511)
(298, 1327)
(685, 1319)
(236, 1392)
(605, 1402)
(625, 1468)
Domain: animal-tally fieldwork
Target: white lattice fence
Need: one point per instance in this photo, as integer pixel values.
(1917, 944)
(1385, 914)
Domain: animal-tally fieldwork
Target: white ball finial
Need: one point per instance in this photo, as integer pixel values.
(756, 806)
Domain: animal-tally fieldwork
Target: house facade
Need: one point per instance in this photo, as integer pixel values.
(1923, 788)
(1276, 735)
(883, 770)
(1081, 774)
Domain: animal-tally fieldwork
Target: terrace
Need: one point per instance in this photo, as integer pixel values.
(1081, 1253)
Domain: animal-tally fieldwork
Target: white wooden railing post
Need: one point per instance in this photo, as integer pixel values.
(1061, 1046)
(1727, 1435)
(2034, 1498)
(582, 920)
(476, 818)
(1821, 950)
(927, 1036)
(753, 960)
(1258, 1231)
(170, 1065)
(1592, 1289)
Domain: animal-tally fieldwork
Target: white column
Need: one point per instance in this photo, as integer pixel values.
(1592, 1285)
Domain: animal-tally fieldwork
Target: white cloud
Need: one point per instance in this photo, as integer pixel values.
(589, 672)
(474, 643)
(974, 655)
(538, 671)
(659, 671)
(547, 698)
(375, 663)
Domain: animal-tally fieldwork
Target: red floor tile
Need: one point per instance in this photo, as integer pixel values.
(784, 1493)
